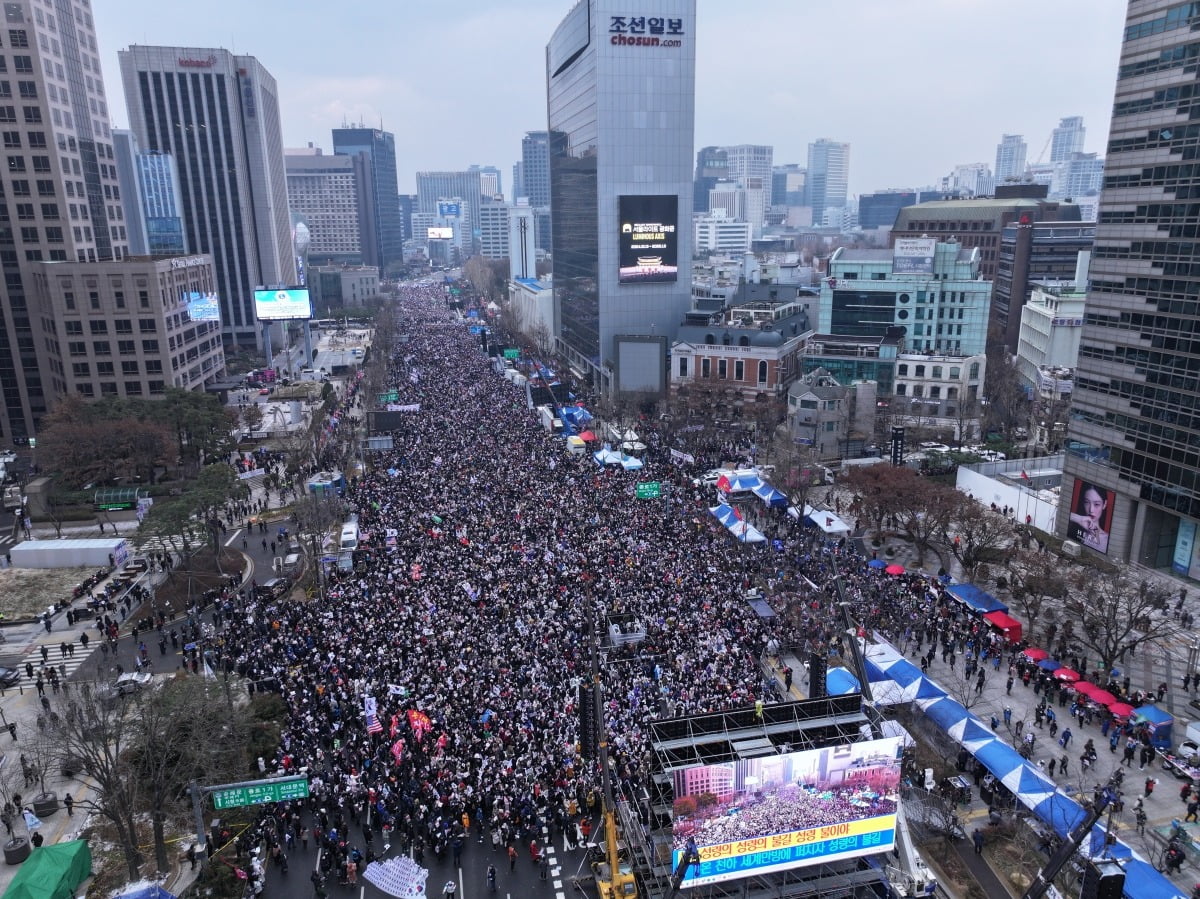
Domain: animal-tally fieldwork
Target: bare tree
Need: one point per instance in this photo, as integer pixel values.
(975, 534)
(1118, 613)
(95, 733)
(1037, 582)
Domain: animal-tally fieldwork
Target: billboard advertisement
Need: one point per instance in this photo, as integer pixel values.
(203, 307)
(450, 210)
(1091, 515)
(439, 234)
(776, 812)
(913, 255)
(1186, 559)
(285, 303)
(649, 243)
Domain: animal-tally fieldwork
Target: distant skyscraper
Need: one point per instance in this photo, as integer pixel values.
(621, 202)
(384, 247)
(1067, 139)
(789, 185)
(518, 181)
(408, 205)
(150, 198)
(1131, 478)
(535, 167)
(490, 185)
(750, 161)
(1010, 157)
(323, 192)
(218, 115)
(712, 165)
(828, 176)
(434, 186)
(971, 179)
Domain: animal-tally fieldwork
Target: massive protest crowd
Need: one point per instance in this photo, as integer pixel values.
(433, 691)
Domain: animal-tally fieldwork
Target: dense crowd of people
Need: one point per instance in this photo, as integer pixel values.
(434, 691)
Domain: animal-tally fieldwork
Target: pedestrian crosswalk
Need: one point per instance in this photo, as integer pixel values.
(47, 653)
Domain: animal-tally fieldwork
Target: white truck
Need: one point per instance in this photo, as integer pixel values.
(12, 497)
(549, 422)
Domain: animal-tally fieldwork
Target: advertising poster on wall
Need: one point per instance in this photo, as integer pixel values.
(203, 307)
(913, 255)
(1091, 515)
(777, 812)
(649, 241)
(1185, 542)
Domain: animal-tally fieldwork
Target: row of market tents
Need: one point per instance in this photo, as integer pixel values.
(894, 679)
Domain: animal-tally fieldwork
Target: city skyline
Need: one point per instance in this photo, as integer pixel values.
(439, 73)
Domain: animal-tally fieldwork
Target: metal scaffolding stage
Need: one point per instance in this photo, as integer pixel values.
(729, 736)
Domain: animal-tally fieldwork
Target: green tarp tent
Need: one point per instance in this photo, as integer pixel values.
(52, 872)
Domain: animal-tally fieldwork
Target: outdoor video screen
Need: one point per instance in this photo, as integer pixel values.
(649, 242)
(1091, 515)
(203, 307)
(778, 812)
(289, 302)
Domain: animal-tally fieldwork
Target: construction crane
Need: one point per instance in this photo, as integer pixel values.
(611, 881)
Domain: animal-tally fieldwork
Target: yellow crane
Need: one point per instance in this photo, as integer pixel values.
(613, 880)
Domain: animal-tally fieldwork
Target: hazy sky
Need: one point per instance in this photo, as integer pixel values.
(915, 86)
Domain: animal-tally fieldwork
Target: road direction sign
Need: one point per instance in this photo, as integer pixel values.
(649, 490)
(282, 790)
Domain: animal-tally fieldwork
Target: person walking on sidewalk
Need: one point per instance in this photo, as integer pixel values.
(977, 839)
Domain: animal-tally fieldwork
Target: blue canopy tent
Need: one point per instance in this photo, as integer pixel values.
(839, 681)
(1159, 723)
(770, 495)
(1143, 881)
(145, 891)
(977, 599)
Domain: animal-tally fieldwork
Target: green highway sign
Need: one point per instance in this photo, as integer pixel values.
(512, 353)
(260, 793)
(649, 490)
(390, 397)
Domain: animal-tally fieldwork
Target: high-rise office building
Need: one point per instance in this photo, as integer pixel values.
(535, 168)
(621, 185)
(828, 177)
(1131, 483)
(385, 247)
(789, 185)
(750, 161)
(490, 185)
(407, 204)
(467, 186)
(323, 192)
(1010, 157)
(1067, 138)
(150, 198)
(218, 115)
(60, 190)
(712, 165)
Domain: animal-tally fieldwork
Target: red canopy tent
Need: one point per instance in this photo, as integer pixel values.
(1006, 624)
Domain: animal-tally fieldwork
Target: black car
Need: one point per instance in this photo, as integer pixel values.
(274, 588)
(9, 677)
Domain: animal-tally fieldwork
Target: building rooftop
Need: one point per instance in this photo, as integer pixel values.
(532, 283)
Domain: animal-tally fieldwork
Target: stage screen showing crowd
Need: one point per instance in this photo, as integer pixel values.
(785, 811)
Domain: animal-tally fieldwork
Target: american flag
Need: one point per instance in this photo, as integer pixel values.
(373, 725)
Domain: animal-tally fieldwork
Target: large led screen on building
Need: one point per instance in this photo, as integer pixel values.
(289, 302)
(1091, 515)
(203, 307)
(649, 240)
(777, 812)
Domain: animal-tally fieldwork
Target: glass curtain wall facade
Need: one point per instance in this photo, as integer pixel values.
(621, 110)
(380, 148)
(1134, 435)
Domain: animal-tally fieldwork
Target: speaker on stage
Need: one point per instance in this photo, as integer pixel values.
(818, 665)
(1103, 880)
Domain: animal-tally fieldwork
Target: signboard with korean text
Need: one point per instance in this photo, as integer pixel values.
(648, 248)
(281, 790)
(913, 255)
(649, 490)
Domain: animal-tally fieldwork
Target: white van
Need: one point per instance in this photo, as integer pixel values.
(291, 563)
(349, 541)
(576, 446)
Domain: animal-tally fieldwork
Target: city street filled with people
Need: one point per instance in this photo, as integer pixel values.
(433, 692)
